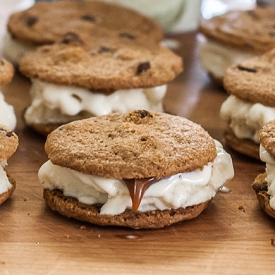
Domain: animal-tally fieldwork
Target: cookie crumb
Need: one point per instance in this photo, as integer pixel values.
(242, 208)
(70, 37)
(250, 70)
(31, 20)
(143, 67)
(98, 235)
(272, 241)
(82, 227)
(88, 17)
(67, 236)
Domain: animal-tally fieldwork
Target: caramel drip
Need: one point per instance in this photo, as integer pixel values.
(137, 188)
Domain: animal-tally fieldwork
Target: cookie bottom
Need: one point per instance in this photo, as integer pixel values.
(44, 129)
(4, 196)
(72, 208)
(260, 187)
(244, 146)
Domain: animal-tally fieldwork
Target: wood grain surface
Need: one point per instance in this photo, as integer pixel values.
(232, 236)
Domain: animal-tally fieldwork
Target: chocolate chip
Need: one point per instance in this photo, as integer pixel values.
(143, 113)
(9, 134)
(253, 14)
(31, 20)
(127, 35)
(250, 70)
(139, 117)
(104, 50)
(88, 17)
(71, 37)
(142, 67)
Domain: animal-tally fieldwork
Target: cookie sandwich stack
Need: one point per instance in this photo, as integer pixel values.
(251, 102)
(46, 22)
(139, 169)
(234, 37)
(79, 78)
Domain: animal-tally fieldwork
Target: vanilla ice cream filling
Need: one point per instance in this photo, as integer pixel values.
(13, 50)
(216, 57)
(7, 115)
(5, 185)
(180, 190)
(61, 104)
(245, 118)
(270, 174)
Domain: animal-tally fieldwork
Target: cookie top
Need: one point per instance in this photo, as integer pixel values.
(47, 22)
(253, 80)
(6, 71)
(101, 64)
(138, 144)
(8, 143)
(267, 137)
(249, 30)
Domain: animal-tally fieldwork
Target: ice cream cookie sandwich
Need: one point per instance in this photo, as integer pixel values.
(7, 115)
(138, 169)
(47, 22)
(79, 78)
(8, 145)
(251, 102)
(264, 184)
(234, 37)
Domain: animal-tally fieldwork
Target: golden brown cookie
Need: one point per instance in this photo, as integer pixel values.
(138, 144)
(253, 79)
(8, 145)
(260, 184)
(104, 64)
(6, 71)
(72, 208)
(243, 146)
(234, 28)
(47, 22)
(267, 137)
(260, 187)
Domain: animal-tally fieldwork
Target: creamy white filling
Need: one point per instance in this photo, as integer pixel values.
(216, 57)
(180, 190)
(13, 50)
(61, 104)
(270, 174)
(7, 115)
(244, 118)
(4, 181)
